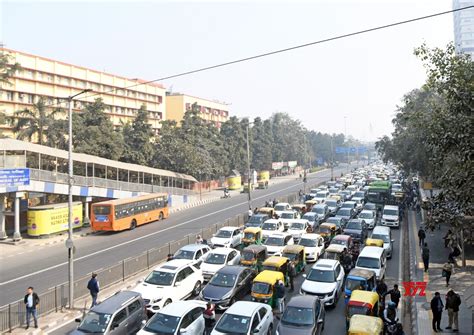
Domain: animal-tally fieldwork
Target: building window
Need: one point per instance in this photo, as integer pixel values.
(39, 76)
(9, 96)
(31, 99)
(21, 96)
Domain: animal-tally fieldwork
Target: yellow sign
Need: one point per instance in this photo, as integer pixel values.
(264, 176)
(50, 219)
(234, 182)
(427, 186)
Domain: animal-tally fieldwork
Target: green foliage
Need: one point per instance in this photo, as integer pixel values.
(7, 70)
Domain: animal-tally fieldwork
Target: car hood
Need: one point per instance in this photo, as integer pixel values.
(390, 217)
(318, 287)
(79, 332)
(289, 330)
(352, 232)
(220, 240)
(295, 231)
(310, 250)
(215, 292)
(212, 268)
(272, 248)
(150, 292)
(268, 232)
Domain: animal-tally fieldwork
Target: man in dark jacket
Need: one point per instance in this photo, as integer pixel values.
(395, 295)
(292, 275)
(93, 287)
(280, 295)
(31, 301)
(437, 310)
(425, 255)
(453, 301)
(421, 236)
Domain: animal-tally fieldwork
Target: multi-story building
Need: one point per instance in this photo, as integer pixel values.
(464, 27)
(54, 81)
(212, 111)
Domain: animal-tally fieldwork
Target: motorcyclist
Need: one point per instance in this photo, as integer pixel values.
(346, 260)
(390, 317)
(226, 193)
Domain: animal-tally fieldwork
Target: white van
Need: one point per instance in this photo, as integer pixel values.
(390, 216)
(373, 258)
(384, 234)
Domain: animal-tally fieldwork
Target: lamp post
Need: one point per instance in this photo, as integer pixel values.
(345, 136)
(248, 165)
(332, 158)
(69, 241)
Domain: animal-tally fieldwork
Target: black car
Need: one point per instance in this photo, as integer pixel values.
(338, 221)
(370, 206)
(304, 314)
(229, 284)
(257, 220)
(345, 213)
(357, 229)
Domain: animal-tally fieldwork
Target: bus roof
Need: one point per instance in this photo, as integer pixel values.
(380, 184)
(127, 200)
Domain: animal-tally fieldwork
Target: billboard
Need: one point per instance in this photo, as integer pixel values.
(50, 219)
(14, 177)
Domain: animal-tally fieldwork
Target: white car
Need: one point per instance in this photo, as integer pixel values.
(326, 280)
(352, 188)
(272, 226)
(287, 216)
(275, 243)
(314, 191)
(369, 217)
(298, 228)
(192, 252)
(177, 318)
(313, 246)
(321, 196)
(390, 216)
(227, 237)
(245, 318)
(282, 207)
(171, 281)
(217, 259)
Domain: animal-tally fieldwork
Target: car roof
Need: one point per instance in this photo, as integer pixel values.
(228, 228)
(299, 221)
(193, 247)
(232, 269)
(310, 214)
(381, 229)
(390, 207)
(371, 251)
(320, 205)
(280, 234)
(221, 251)
(311, 236)
(259, 214)
(172, 265)
(342, 237)
(115, 302)
(282, 203)
(272, 221)
(179, 308)
(244, 308)
(302, 301)
(325, 264)
(349, 202)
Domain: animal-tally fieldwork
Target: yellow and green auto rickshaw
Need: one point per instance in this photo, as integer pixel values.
(310, 203)
(296, 254)
(253, 256)
(334, 251)
(299, 208)
(263, 287)
(252, 235)
(365, 325)
(362, 302)
(327, 231)
(266, 210)
(277, 263)
(374, 242)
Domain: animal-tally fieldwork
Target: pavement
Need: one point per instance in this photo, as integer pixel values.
(461, 281)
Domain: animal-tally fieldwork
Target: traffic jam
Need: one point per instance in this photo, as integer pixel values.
(284, 272)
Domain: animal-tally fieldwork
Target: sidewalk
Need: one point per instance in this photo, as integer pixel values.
(461, 281)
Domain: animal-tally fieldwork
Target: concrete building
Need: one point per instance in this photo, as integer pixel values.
(211, 111)
(464, 27)
(55, 80)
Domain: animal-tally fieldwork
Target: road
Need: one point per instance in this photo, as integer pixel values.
(48, 268)
(335, 317)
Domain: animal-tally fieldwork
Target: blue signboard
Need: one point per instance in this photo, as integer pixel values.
(341, 150)
(353, 150)
(14, 177)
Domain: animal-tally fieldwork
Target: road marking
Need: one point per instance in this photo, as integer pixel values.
(145, 236)
(400, 266)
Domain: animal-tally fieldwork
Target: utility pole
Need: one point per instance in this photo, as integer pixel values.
(69, 241)
(248, 165)
(332, 157)
(345, 136)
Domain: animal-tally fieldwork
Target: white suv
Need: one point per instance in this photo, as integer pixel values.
(390, 216)
(313, 246)
(297, 228)
(275, 243)
(218, 258)
(227, 237)
(325, 280)
(172, 281)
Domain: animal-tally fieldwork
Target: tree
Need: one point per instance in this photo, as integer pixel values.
(34, 123)
(94, 133)
(235, 143)
(7, 71)
(261, 145)
(138, 139)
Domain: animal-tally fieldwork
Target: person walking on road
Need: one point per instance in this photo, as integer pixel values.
(199, 239)
(292, 275)
(209, 318)
(421, 236)
(381, 290)
(447, 238)
(437, 310)
(31, 301)
(93, 287)
(453, 301)
(425, 255)
(395, 295)
(280, 295)
(448, 269)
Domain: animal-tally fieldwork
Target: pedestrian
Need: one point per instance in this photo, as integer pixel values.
(170, 257)
(250, 212)
(274, 202)
(199, 239)
(421, 236)
(453, 301)
(425, 255)
(280, 295)
(448, 269)
(209, 315)
(255, 211)
(93, 287)
(447, 238)
(381, 290)
(437, 310)
(291, 275)
(31, 301)
(395, 295)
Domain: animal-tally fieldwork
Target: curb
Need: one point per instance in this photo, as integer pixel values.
(193, 204)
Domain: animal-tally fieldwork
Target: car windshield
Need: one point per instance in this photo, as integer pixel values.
(370, 206)
(359, 195)
(249, 236)
(356, 225)
(307, 242)
(353, 310)
(366, 215)
(354, 284)
(224, 234)
(309, 217)
(334, 220)
(280, 208)
(275, 241)
(324, 229)
(392, 212)
(344, 212)
(348, 205)
(298, 316)
(233, 324)
(248, 256)
(338, 241)
(368, 262)
(383, 237)
(321, 276)
(269, 226)
(160, 278)
(261, 288)
(297, 226)
(318, 210)
(215, 259)
(255, 219)
(95, 322)
(184, 254)
(291, 256)
(162, 324)
(287, 216)
(223, 280)
(331, 203)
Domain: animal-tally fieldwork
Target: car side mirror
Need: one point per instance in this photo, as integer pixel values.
(177, 284)
(255, 331)
(143, 323)
(78, 320)
(320, 321)
(183, 331)
(392, 241)
(304, 275)
(115, 325)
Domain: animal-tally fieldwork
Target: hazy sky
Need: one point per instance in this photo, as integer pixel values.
(362, 77)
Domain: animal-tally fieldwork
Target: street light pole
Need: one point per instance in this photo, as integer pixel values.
(345, 135)
(69, 241)
(248, 165)
(332, 158)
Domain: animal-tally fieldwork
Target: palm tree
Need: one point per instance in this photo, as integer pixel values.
(30, 123)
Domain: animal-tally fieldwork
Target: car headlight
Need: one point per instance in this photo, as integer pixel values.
(156, 300)
(226, 296)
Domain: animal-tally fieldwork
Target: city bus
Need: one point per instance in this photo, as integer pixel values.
(122, 214)
(379, 192)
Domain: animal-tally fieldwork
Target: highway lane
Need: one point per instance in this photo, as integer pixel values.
(335, 317)
(48, 268)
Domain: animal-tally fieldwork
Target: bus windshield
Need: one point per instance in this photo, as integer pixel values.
(102, 210)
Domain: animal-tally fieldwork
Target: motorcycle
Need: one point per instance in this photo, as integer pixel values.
(226, 195)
